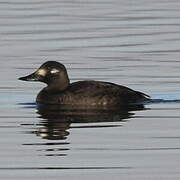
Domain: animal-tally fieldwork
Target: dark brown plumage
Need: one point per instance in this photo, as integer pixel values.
(82, 93)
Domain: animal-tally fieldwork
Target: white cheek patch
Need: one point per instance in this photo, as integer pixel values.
(41, 72)
(54, 70)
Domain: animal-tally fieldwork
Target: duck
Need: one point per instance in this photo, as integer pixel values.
(86, 93)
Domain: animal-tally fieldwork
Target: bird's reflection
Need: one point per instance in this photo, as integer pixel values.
(55, 123)
(56, 120)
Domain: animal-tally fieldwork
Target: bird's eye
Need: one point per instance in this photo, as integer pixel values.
(54, 71)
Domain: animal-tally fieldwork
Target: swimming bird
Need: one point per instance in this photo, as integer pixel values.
(90, 93)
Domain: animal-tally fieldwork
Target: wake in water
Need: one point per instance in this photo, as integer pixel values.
(164, 98)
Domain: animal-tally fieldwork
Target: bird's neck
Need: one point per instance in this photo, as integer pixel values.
(58, 85)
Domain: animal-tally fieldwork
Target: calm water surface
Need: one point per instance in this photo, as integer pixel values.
(134, 43)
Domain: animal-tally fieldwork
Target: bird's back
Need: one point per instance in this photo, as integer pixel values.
(93, 93)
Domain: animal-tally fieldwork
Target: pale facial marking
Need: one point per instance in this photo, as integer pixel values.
(41, 72)
(54, 70)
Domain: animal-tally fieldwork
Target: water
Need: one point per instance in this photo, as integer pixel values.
(134, 43)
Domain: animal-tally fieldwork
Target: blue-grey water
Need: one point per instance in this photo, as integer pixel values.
(133, 43)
